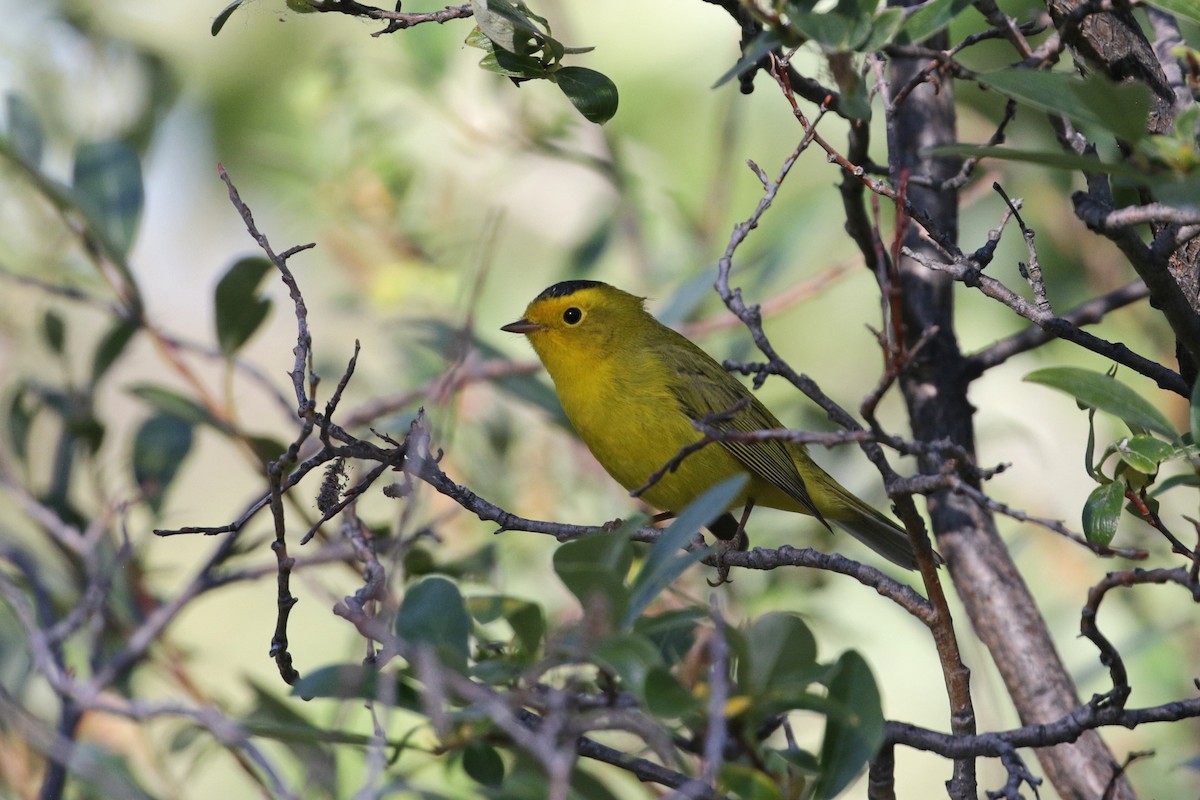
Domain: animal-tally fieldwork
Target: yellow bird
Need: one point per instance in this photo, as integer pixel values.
(631, 387)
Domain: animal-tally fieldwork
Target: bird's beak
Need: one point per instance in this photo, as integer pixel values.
(521, 326)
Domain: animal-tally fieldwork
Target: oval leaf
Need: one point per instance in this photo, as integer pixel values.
(782, 653)
(343, 681)
(1104, 393)
(666, 696)
(111, 347)
(850, 740)
(159, 448)
(483, 764)
(173, 403)
(592, 93)
(54, 331)
(593, 569)
(238, 307)
(525, 618)
(631, 658)
(21, 412)
(510, 26)
(108, 186)
(1144, 453)
(433, 614)
(1101, 511)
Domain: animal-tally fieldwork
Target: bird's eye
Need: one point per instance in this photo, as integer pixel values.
(572, 316)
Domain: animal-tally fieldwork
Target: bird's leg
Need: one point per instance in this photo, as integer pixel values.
(739, 541)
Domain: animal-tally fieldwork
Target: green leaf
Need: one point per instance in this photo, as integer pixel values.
(1048, 158)
(1101, 511)
(1088, 101)
(266, 448)
(220, 20)
(54, 331)
(630, 657)
(358, 682)
(930, 19)
(433, 614)
(838, 29)
(664, 563)
(884, 30)
(483, 764)
(511, 65)
(341, 681)
(1189, 479)
(510, 26)
(525, 618)
(1144, 453)
(21, 411)
(25, 130)
(108, 185)
(781, 652)
(159, 447)
(748, 783)
(592, 93)
(237, 305)
(666, 697)
(1177, 149)
(1104, 393)
(307, 742)
(800, 759)
(171, 402)
(1188, 9)
(852, 740)
(673, 632)
(111, 346)
(593, 568)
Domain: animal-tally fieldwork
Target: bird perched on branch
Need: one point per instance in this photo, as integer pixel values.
(632, 388)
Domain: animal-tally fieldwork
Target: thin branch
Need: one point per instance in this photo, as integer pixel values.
(1056, 326)
(397, 20)
(1087, 313)
(1110, 657)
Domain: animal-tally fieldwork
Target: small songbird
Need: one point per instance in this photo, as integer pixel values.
(631, 387)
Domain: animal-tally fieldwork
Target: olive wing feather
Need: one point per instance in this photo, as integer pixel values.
(704, 388)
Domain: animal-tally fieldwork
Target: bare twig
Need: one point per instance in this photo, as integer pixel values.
(1057, 326)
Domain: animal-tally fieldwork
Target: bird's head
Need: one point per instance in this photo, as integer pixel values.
(578, 322)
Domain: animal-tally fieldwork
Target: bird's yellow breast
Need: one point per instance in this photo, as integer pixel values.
(628, 415)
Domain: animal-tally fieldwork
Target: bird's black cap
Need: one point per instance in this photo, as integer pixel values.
(567, 288)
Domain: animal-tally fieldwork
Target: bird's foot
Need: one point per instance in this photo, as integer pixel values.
(739, 542)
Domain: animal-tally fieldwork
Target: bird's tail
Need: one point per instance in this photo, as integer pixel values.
(881, 535)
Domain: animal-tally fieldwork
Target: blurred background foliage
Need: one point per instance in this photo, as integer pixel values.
(441, 199)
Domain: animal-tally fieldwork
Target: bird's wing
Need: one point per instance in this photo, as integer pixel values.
(705, 388)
